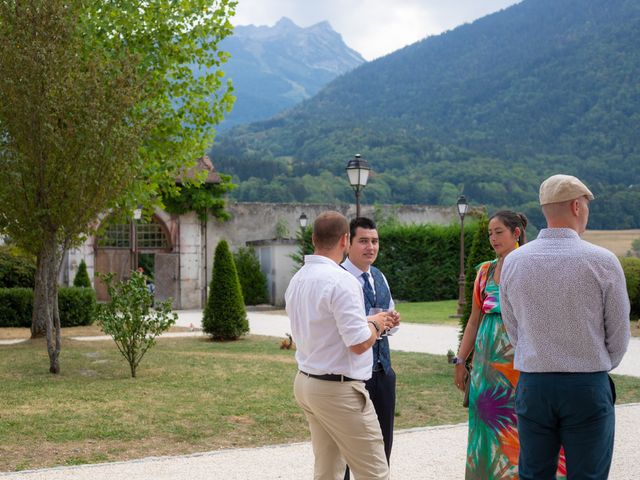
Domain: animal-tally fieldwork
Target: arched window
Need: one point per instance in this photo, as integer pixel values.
(149, 235)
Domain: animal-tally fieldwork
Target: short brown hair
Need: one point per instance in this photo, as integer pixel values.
(328, 228)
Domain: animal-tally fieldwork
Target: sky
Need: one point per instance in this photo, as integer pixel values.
(371, 27)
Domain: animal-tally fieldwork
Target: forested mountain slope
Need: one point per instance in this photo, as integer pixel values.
(489, 108)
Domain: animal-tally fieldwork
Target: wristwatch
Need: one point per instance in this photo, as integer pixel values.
(376, 326)
(457, 360)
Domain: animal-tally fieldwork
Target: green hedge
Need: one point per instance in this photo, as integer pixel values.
(76, 306)
(16, 307)
(631, 267)
(422, 262)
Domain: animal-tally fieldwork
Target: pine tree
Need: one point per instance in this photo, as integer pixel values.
(225, 317)
(252, 280)
(82, 277)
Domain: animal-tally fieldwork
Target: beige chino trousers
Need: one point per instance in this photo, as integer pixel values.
(344, 429)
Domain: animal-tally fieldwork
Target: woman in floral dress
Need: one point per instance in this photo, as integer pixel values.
(493, 445)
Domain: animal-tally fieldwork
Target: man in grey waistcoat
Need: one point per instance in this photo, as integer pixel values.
(363, 251)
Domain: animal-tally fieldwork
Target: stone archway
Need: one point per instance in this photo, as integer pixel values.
(123, 248)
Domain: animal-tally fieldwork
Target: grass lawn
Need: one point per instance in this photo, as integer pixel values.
(434, 313)
(191, 395)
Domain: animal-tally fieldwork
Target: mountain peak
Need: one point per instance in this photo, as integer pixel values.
(286, 23)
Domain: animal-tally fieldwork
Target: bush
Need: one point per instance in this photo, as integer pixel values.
(77, 306)
(16, 307)
(15, 270)
(252, 280)
(130, 320)
(225, 317)
(82, 276)
(631, 267)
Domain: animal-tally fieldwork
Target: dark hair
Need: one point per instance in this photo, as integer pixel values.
(328, 228)
(513, 220)
(360, 222)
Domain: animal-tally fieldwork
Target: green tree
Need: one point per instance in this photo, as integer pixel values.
(305, 246)
(102, 104)
(252, 280)
(225, 317)
(82, 277)
(130, 320)
(205, 199)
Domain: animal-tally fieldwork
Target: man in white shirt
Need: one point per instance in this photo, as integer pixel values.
(333, 349)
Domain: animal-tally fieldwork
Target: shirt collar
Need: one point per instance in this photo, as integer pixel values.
(558, 233)
(352, 269)
(319, 259)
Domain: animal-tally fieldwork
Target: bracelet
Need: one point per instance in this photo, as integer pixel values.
(375, 326)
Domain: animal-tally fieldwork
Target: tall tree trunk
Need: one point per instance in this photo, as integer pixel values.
(46, 319)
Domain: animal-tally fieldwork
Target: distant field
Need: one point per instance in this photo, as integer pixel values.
(618, 241)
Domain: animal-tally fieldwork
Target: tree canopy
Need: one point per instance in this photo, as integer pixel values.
(102, 104)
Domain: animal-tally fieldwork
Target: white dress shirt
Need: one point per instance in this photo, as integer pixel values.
(357, 273)
(564, 304)
(325, 305)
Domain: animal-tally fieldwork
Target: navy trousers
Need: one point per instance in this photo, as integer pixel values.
(575, 410)
(382, 390)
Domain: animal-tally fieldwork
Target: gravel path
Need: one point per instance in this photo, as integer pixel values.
(432, 453)
(436, 453)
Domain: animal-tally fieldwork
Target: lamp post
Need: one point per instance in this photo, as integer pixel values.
(463, 207)
(358, 173)
(137, 215)
(303, 222)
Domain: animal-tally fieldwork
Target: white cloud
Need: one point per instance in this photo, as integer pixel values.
(371, 27)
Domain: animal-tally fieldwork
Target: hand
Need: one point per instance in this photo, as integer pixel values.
(381, 319)
(395, 318)
(459, 376)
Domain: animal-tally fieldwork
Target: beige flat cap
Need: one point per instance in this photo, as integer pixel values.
(560, 188)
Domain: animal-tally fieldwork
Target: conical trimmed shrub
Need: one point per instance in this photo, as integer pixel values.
(225, 317)
(82, 276)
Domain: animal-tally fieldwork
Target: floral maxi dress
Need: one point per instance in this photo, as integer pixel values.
(493, 445)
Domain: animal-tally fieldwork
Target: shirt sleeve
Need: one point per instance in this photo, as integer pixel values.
(348, 309)
(508, 317)
(616, 314)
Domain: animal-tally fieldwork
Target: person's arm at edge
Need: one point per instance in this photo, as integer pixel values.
(508, 318)
(466, 345)
(378, 320)
(617, 327)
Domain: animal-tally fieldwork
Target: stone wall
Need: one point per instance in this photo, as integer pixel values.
(272, 225)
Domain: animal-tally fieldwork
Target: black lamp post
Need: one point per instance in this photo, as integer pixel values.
(463, 207)
(358, 173)
(303, 221)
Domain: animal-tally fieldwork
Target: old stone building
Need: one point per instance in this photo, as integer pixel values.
(177, 250)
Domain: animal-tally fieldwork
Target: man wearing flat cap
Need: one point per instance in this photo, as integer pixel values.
(566, 311)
